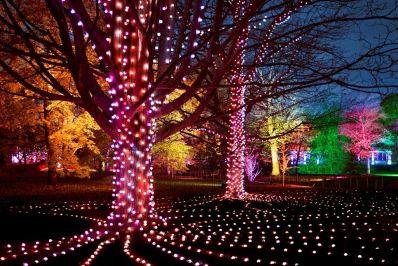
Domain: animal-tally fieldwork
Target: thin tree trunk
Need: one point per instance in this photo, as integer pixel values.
(273, 149)
(367, 172)
(368, 166)
(51, 163)
(100, 171)
(297, 159)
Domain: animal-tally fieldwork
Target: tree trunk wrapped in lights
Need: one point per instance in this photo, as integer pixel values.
(242, 76)
(133, 182)
(129, 83)
(236, 128)
(236, 144)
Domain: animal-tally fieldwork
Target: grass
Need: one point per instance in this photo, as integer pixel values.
(21, 184)
(31, 186)
(317, 206)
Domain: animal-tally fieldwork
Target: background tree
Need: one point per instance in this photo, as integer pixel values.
(284, 160)
(361, 126)
(72, 134)
(21, 126)
(272, 123)
(390, 111)
(389, 108)
(327, 153)
(174, 154)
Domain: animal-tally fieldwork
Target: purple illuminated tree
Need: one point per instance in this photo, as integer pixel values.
(363, 128)
(252, 169)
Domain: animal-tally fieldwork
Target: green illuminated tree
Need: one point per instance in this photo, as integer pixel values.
(327, 153)
(389, 108)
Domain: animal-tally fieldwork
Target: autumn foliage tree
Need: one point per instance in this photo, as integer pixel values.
(21, 126)
(72, 131)
(361, 126)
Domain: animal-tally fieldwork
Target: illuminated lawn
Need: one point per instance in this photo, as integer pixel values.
(279, 227)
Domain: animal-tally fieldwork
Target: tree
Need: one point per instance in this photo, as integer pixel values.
(284, 161)
(252, 169)
(390, 111)
(21, 126)
(72, 131)
(272, 123)
(390, 120)
(173, 153)
(327, 153)
(361, 126)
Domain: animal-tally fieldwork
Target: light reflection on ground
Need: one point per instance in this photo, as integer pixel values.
(298, 227)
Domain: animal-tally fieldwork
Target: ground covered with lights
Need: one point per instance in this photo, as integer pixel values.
(285, 227)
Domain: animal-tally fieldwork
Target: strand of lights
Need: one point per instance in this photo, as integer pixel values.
(131, 255)
(53, 247)
(303, 224)
(283, 17)
(209, 131)
(98, 250)
(318, 224)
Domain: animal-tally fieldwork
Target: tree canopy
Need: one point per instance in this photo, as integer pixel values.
(327, 153)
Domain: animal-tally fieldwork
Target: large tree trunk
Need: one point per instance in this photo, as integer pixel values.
(129, 81)
(274, 158)
(236, 145)
(133, 183)
(236, 129)
(273, 148)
